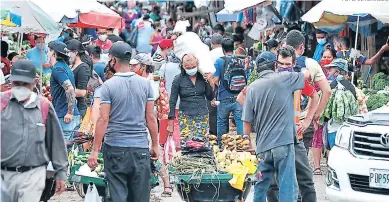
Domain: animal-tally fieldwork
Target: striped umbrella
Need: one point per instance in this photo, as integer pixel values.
(10, 19)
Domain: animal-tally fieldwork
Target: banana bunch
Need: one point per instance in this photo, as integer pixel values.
(226, 158)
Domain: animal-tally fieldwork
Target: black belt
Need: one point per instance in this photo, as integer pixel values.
(19, 169)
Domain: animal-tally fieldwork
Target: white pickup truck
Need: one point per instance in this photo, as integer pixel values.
(358, 164)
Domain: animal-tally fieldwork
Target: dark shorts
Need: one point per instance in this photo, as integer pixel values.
(127, 174)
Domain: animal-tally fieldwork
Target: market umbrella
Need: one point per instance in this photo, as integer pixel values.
(10, 19)
(83, 14)
(237, 6)
(226, 16)
(33, 18)
(332, 15)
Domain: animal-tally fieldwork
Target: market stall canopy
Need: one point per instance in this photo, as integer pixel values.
(237, 6)
(84, 14)
(332, 15)
(10, 19)
(33, 18)
(226, 16)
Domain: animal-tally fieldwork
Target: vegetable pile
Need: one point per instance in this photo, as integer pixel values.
(376, 101)
(189, 165)
(341, 105)
(83, 159)
(380, 81)
(163, 102)
(227, 158)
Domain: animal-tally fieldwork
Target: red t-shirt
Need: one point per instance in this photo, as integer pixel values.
(104, 45)
(308, 89)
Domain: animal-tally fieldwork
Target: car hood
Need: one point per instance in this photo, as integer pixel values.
(377, 117)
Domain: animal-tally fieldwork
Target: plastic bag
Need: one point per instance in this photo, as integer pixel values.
(92, 195)
(169, 150)
(163, 102)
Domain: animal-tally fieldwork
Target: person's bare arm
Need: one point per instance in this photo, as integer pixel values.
(151, 122)
(70, 95)
(377, 56)
(326, 94)
(242, 96)
(101, 126)
(247, 131)
(80, 93)
(95, 111)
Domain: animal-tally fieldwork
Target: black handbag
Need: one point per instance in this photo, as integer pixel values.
(49, 190)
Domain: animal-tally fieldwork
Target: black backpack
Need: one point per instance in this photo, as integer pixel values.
(233, 75)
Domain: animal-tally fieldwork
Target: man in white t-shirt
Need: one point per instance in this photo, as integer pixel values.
(216, 45)
(2, 81)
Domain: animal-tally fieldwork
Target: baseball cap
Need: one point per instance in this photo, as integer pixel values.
(166, 43)
(339, 63)
(271, 43)
(216, 39)
(121, 50)
(86, 39)
(141, 58)
(265, 57)
(23, 70)
(75, 45)
(59, 47)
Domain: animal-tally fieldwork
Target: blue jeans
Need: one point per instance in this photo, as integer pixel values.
(280, 160)
(224, 109)
(68, 129)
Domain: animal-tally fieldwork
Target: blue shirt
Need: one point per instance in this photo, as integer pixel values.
(223, 92)
(38, 58)
(346, 55)
(319, 50)
(99, 69)
(61, 72)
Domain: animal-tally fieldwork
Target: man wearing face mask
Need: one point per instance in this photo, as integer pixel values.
(81, 71)
(322, 44)
(126, 116)
(62, 87)
(66, 35)
(38, 55)
(102, 40)
(31, 137)
(338, 73)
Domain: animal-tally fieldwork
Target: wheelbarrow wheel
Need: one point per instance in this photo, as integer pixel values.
(80, 190)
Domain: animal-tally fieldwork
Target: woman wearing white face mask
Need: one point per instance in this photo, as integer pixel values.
(81, 71)
(193, 90)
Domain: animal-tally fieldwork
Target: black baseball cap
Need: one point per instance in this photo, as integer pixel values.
(121, 50)
(59, 47)
(23, 70)
(75, 45)
(265, 57)
(271, 43)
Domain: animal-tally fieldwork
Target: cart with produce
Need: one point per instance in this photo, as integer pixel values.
(201, 172)
(82, 176)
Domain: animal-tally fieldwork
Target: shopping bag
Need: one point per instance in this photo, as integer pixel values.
(92, 195)
(133, 38)
(169, 150)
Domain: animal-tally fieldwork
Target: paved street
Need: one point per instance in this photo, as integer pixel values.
(72, 196)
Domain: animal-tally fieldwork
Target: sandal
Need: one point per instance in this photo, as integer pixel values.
(165, 193)
(317, 171)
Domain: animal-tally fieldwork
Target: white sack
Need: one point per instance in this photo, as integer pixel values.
(190, 43)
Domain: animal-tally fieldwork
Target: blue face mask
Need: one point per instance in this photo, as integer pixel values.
(65, 35)
(39, 46)
(321, 41)
(331, 78)
(339, 78)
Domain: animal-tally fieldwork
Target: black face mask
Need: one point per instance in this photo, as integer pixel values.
(111, 67)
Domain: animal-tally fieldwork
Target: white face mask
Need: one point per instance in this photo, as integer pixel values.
(103, 37)
(4, 38)
(21, 93)
(72, 57)
(191, 72)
